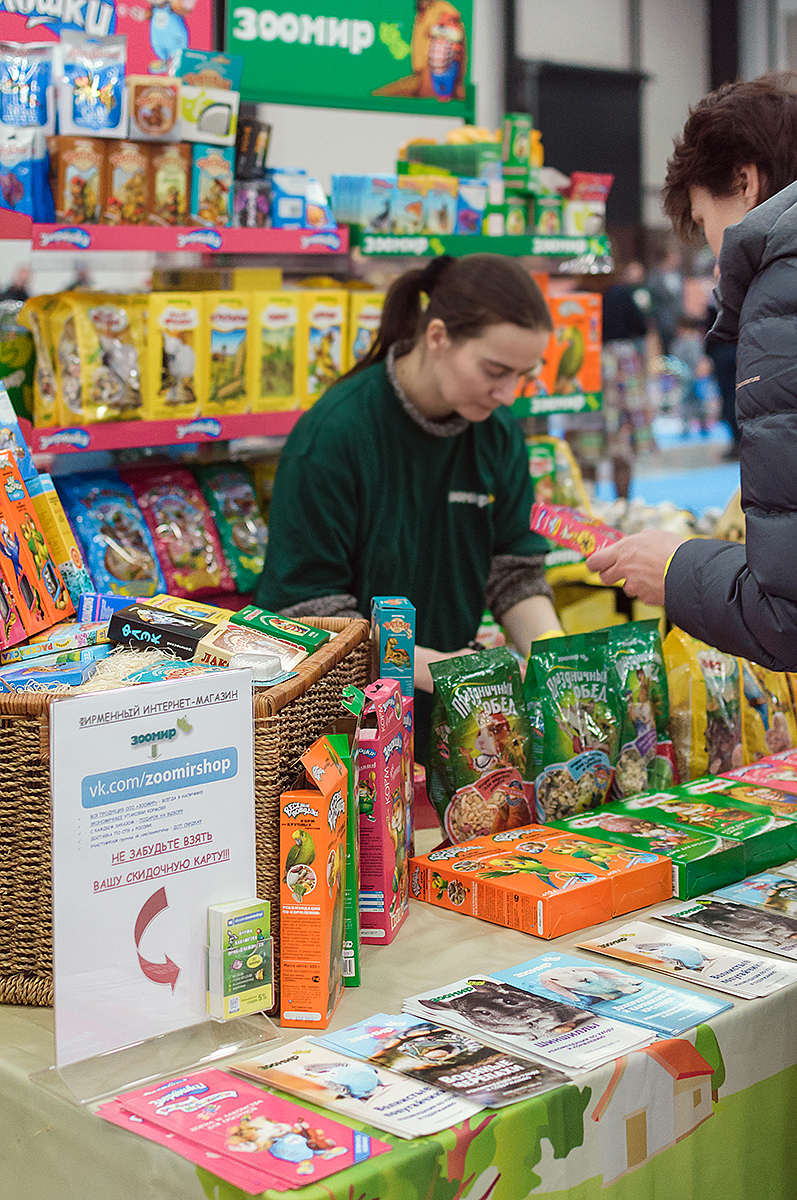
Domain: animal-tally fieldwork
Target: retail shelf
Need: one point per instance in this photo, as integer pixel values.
(545, 406)
(532, 245)
(124, 435)
(167, 239)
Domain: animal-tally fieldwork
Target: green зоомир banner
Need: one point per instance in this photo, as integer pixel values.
(388, 55)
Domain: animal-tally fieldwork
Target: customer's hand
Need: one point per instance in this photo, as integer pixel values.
(638, 562)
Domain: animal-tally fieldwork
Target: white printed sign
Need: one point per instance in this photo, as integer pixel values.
(153, 820)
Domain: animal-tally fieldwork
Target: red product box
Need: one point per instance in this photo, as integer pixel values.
(778, 771)
(572, 529)
(540, 882)
(27, 567)
(385, 817)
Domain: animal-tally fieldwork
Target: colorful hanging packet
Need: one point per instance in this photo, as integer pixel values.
(579, 722)
(113, 535)
(183, 531)
(645, 755)
(27, 95)
(705, 706)
(24, 174)
(768, 720)
(231, 498)
(480, 738)
(92, 98)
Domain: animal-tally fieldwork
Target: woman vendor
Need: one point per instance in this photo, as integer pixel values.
(733, 175)
(410, 476)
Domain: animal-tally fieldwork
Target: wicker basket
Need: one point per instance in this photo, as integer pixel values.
(287, 719)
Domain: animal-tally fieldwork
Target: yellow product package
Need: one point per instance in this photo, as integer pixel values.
(224, 348)
(111, 340)
(173, 338)
(768, 719)
(365, 315)
(705, 689)
(35, 316)
(273, 366)
(324, 328)
(70, 407)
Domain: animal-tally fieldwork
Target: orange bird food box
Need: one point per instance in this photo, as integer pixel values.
(537, 881)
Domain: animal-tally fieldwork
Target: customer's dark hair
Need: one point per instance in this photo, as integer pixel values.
(467, 294)
(737, 125)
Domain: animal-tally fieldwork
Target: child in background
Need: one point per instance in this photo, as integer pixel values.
(688, 348)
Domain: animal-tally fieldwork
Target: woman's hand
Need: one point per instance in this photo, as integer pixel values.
(640, 561)
(423, 656)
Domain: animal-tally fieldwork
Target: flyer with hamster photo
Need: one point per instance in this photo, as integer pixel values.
(659, 949)
(509, 1017)
(757, 927)
(660, 1007)
(424, 1050)
(404, 1107)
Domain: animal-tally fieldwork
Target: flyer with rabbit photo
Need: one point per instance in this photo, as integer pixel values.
(757, 927)
(647, 945)
(510, 1018)
(659, 1007)
(404, 1107)
(424, 1050)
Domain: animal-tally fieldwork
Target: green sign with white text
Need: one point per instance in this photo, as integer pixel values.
(387, 55)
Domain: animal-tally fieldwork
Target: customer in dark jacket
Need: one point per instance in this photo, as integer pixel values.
(732, 174)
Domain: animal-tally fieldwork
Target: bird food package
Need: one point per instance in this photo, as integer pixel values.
(324, 327)
(705, 706)
(312, 864)
(26, 565)
(127, 199)
(100, 355)
(230, 494)
(393, 640)
(60, 538)
(274, 360)
(224, 345)
(480, 743)
(385, 818)
(540, 880)
(183, 531)
(645, 756)
(173, 341)
(116, 543)
(571, 363)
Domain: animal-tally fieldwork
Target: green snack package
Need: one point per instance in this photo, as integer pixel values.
(480, 739)
(242, 531)
(580, 723)
(638, 677)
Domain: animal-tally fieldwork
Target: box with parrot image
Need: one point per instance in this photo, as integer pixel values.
(385, 812)
(312, 843)
(571, 363)
(541, 880)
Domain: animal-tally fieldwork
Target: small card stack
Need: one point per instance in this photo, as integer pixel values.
(240, 972)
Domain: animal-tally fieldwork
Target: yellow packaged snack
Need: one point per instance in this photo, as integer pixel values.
(63, 329)
(324, 334)
(768, 720)
(173, 337)
(35, 316)
(365, 314)
(705, 689)
(224, 343)
(273, 366)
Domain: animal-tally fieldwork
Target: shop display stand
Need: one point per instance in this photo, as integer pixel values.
(172, 1053)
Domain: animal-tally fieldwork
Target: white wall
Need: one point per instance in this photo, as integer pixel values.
(592, 33)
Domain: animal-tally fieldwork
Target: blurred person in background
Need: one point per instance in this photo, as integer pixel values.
(665, 287)
(689, 350)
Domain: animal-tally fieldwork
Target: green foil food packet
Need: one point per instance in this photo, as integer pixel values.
(231, 497)
(480, 739)
(645, 760)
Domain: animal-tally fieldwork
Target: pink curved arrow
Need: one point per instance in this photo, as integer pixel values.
(165, 972)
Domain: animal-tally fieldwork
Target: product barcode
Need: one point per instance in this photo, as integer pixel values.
(348, 966)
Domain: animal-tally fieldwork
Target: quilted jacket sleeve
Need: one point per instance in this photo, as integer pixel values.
(743, 599)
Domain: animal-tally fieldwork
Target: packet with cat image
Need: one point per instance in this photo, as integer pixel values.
(578, 723)
(480, 739)
(645, 757)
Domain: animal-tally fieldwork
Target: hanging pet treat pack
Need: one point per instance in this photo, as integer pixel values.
(170, 175)
(231, 498)
(645, 757)
(173, 341)
(79, 179)
(208, 115)
(275, 356)
(385, 820)
(92, 98)
(701, 861)
(223, 350)
(182, 530)
(116, 543)
(312, 890)
(212, 184)
(324, 328)
(27, 92)
(365, 316)
(127, 198)
(24, 183)
(577, 721)
(154, 107)
(480, 738)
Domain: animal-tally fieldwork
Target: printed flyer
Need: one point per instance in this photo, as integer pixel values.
(406, 1108)
(231, 1118)
(153, 820)
(510, 1018)
(774, 890)
(425, 1050)
(659, 1007)
(647, 945)
(756, 927)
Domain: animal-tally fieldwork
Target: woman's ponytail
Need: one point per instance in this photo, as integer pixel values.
(402, 315)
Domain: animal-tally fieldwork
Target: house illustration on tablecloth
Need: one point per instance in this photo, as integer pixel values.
(656, 1097)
